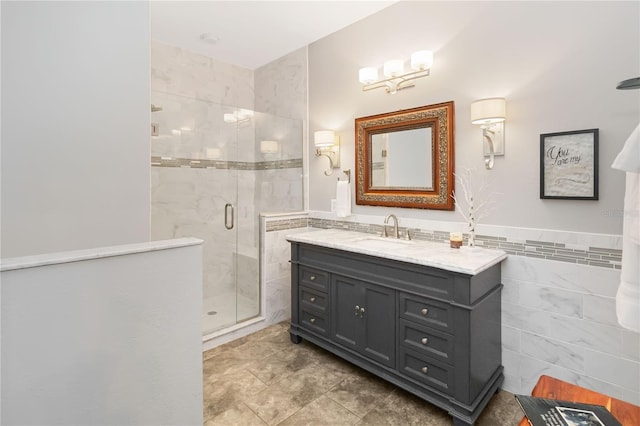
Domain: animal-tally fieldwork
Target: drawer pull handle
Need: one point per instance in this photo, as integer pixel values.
(312, 300)
(424, 340)
(312, 320)
(312, 278)
(357, 310)
(425, 370)
(424, 311)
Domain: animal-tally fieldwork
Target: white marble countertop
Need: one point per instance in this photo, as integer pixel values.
(465, 260)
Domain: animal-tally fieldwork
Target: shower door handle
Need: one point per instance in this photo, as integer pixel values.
(226, 216)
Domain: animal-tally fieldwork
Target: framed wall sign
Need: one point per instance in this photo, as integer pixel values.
(569, 165)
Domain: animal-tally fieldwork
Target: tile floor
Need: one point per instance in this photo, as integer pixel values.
(264, 379)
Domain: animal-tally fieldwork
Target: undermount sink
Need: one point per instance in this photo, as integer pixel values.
(379, 243)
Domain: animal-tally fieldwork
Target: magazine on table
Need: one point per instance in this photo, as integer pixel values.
(553, 412)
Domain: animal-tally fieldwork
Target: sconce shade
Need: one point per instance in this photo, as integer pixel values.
(368, 75)
(485, 111)
(422, 60)
(393, 68)
(269, 147)
(238, 115)
(323, 138)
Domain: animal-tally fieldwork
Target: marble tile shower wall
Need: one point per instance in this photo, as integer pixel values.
(558, 304)
(281, 86)
(276, 269)
(180, 72)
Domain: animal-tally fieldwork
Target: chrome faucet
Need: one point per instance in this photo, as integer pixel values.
(395, 226)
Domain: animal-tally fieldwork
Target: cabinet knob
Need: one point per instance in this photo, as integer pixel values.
(424, 311)
(425, 370)
(424, 340)
(357, 310)
(312, 320)
(313, 299)
(312, 278)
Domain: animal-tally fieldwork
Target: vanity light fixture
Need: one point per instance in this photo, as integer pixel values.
(490, 115)
(328, 145)
(395, 77)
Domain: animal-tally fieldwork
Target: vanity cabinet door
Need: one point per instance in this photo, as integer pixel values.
(363, 318)
(379, 333)
(345, 296)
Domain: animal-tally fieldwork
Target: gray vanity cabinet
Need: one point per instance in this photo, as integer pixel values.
(363, 318)
(430, 331)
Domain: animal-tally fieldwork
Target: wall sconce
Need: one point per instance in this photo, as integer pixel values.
(213, 153)
(490, 115)
(269, 147)
(239, 115)
(328, 145)
(396, 78)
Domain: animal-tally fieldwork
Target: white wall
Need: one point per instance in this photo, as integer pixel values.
(557, 64)
(75, 125)
(108, 336)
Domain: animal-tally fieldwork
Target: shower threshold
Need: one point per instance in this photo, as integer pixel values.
(231, 329)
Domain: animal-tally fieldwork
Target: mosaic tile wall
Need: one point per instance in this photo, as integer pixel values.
(226, 165)
(593, 256)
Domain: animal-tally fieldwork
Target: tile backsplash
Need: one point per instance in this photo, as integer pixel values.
(602, 257)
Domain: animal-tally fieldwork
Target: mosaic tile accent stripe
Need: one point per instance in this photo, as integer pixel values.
(593, 256)
(280, 225)
(228, 165)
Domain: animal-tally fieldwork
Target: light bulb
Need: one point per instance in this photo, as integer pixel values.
(422, 60)
(368, 75)
(393, 68)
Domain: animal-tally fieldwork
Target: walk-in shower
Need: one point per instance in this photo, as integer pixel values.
(214, 169)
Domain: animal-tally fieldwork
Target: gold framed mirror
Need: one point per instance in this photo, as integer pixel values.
(406, 158)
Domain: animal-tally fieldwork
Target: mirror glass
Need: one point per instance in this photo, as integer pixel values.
(405, 158)
(398, 159)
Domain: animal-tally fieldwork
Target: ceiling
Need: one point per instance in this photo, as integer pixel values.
(251, 34)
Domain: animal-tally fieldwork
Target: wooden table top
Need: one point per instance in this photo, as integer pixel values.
(552, 388)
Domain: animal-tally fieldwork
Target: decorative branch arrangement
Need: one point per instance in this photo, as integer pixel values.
(475, 206)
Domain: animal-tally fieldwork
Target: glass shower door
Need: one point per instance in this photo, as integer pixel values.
(245, 257)
(231, 281)
(220, 211)
(194, 178)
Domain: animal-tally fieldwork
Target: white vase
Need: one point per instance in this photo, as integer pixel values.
(471, 236)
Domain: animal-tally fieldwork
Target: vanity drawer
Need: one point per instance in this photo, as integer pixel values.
(314, 278)
(429, 312)
(426, 370)
(314, 322)
(313, 300)
(427, 341)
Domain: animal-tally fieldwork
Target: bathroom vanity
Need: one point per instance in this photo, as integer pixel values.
(418, 314)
